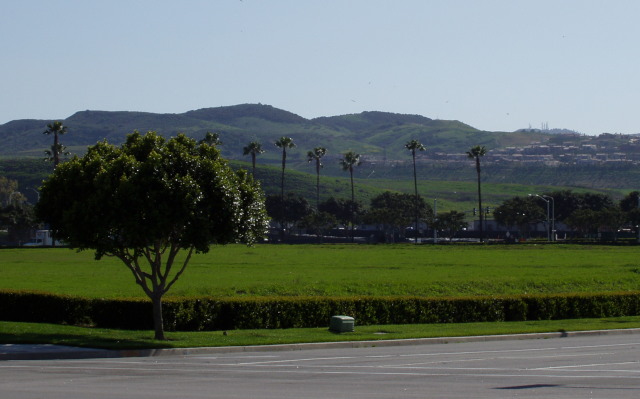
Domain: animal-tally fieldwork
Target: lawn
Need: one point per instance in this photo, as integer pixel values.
(343, 270)
(41, 333)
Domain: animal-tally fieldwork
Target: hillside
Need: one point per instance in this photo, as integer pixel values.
(379, 136)
(454, 187)
(373, 134)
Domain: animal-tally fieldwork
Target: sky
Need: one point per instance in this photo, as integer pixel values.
(497, 65)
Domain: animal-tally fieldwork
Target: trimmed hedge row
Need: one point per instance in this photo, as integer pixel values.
(201, 314)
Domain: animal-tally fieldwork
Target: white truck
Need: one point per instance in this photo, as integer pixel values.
(42, 238)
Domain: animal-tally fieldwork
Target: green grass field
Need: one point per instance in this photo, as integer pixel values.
(341, 270)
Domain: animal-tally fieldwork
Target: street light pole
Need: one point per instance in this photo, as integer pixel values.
(547, 199)
(35, 191)
(553, 216)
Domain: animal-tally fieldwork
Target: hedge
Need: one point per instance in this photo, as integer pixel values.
(207, 313)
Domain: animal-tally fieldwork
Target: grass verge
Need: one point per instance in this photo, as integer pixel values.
(38, 333)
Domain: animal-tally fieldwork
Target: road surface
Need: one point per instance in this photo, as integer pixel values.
(573, 367)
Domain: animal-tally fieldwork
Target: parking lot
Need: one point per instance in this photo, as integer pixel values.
(578, 367)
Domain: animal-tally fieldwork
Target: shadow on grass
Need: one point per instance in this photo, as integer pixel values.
(82, 340)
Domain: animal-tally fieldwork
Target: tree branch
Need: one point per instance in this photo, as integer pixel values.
(184, 266)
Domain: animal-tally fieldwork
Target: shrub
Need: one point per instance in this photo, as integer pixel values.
(207, 313)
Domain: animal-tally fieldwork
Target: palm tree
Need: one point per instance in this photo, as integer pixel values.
(475, 153)
(253, 148)
(350, 160)
(316, 155)
(284, 143)
(413, 146)
(56, 128)
(212, 139)
(54, 152)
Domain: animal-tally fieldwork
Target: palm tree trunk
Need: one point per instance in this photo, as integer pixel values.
(353, 212)
(480, 201)
(415, 186)
(253, 162)
(282, 209)
(284, 160)
(318, 185)
(56, 159)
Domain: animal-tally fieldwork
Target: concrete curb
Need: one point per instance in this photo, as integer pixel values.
(48, 352)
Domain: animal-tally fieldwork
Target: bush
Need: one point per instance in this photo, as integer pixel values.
(206, 313)
(44, 308)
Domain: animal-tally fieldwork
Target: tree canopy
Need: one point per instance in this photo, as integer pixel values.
(342, 209)
(449, 223)
(396, 210)
(148, 200)
(519, 212)
(291, 209)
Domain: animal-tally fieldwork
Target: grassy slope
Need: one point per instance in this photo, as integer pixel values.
(377, 134)
(268, 270)
(454, 187)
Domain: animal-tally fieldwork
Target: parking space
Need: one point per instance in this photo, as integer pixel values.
(581, 367)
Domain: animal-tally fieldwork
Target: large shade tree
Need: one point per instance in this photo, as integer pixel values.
(56, 129)
(520, 212)
(395, 211)
(348, 162)
(475, 153)
(342, 209)
(152, 203)
(413, 146)
(291, 210)
(630, 205)
(449, 223)
(566, 202)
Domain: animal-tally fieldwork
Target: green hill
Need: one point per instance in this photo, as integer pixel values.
(379, 136)
(370, 133)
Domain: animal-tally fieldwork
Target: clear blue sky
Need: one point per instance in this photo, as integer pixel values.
(493, 64)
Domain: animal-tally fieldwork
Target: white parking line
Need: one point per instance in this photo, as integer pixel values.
(584, 365)
(291, 361)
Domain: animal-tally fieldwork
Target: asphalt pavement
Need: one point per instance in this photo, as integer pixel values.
(566, 366)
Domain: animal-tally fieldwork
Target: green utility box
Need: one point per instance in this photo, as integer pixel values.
(342, 324)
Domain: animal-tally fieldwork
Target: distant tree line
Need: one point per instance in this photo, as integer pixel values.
(585, 214)
(392, 213)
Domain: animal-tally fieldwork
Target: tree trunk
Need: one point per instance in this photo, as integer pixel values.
(253, 162)
(56, 158)
(318, 185)
(282, 209)
(158, 323)
(353, 211)
(480, 201)
(415, 186)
